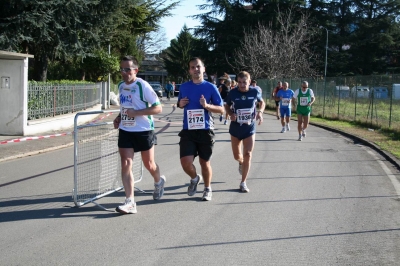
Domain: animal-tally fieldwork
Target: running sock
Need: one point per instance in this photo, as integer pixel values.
(159, 182)
(208, 188)
(196, 178)
(131, 200)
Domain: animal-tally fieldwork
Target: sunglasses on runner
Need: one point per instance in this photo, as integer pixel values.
(126, 69)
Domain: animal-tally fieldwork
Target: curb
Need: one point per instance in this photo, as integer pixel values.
(388, 156)
(22, 155)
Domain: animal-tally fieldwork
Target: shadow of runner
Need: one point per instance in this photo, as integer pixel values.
(45, 207)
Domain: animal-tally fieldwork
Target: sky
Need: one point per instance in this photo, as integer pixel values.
(174, 24)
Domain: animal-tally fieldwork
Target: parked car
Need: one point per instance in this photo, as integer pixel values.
(158, 89)
(176, 91)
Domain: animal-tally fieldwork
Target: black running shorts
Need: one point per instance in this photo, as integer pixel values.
(196, 142)
(138, 141)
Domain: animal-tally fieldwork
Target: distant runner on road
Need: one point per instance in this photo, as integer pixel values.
(276, 98)
(285, 95)
(304, 98)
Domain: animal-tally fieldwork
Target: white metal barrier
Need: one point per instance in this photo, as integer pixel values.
(97, 164)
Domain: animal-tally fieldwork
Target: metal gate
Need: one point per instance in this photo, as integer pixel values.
(97, 164)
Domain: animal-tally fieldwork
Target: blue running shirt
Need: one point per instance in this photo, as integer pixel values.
(243, 104)
(287, 96)
(194, 115)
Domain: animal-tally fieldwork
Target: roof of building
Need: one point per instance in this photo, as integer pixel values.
(14, 56)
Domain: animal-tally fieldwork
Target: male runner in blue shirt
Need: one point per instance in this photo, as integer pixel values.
(285, 96)
(198, 98)
(241, 106)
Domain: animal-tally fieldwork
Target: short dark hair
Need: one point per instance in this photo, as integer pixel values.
(243, 74)
(195, 58)
(132, 59)
(253, 81)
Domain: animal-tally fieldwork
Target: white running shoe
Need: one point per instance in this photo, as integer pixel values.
(207, 194)
(159, 189)
(243, 187)
(303, 133)
(128, 207)
(283, 130)
(287, 127)
(300, 138)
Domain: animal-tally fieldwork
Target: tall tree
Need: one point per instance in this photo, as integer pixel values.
(376, 35)
(277, 53)
(363, 34)
(177, 56)
(224, 24)
(50, 29)
(61, 29)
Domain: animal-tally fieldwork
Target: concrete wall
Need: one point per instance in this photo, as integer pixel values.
(60, 122)
(13, 99)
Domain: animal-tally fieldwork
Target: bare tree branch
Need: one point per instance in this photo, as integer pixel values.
(281, 53)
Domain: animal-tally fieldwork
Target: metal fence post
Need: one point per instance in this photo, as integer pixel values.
(391, 104)
(54, 100)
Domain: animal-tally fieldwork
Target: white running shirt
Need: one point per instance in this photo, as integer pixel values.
(138, 95)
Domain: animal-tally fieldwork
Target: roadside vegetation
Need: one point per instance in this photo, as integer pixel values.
(385, 138)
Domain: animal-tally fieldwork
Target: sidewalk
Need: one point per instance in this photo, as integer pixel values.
(22, 146)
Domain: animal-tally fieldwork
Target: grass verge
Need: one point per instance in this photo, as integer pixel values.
(386, 139)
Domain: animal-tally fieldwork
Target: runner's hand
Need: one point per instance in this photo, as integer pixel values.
(131, 112)
(203, 101)
(259, 117)
(183, 102)
(117, 120)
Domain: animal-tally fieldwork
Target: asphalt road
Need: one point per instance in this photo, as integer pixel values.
(322, 201)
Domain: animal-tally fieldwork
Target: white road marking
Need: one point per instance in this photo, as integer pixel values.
(392, 177)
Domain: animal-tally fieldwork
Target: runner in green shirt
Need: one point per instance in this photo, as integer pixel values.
(304, 98)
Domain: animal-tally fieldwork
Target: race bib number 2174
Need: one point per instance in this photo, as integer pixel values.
(195, 119)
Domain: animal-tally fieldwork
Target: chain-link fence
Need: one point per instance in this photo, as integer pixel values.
(374, 100)
(52, 100)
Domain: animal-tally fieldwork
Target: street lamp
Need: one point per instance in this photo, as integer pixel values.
(326, 64)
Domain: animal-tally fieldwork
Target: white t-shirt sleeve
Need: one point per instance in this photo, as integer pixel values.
(296, 93)
(149, 94)
(311, 93)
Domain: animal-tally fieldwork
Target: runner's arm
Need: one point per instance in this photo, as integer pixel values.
(152, 110)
